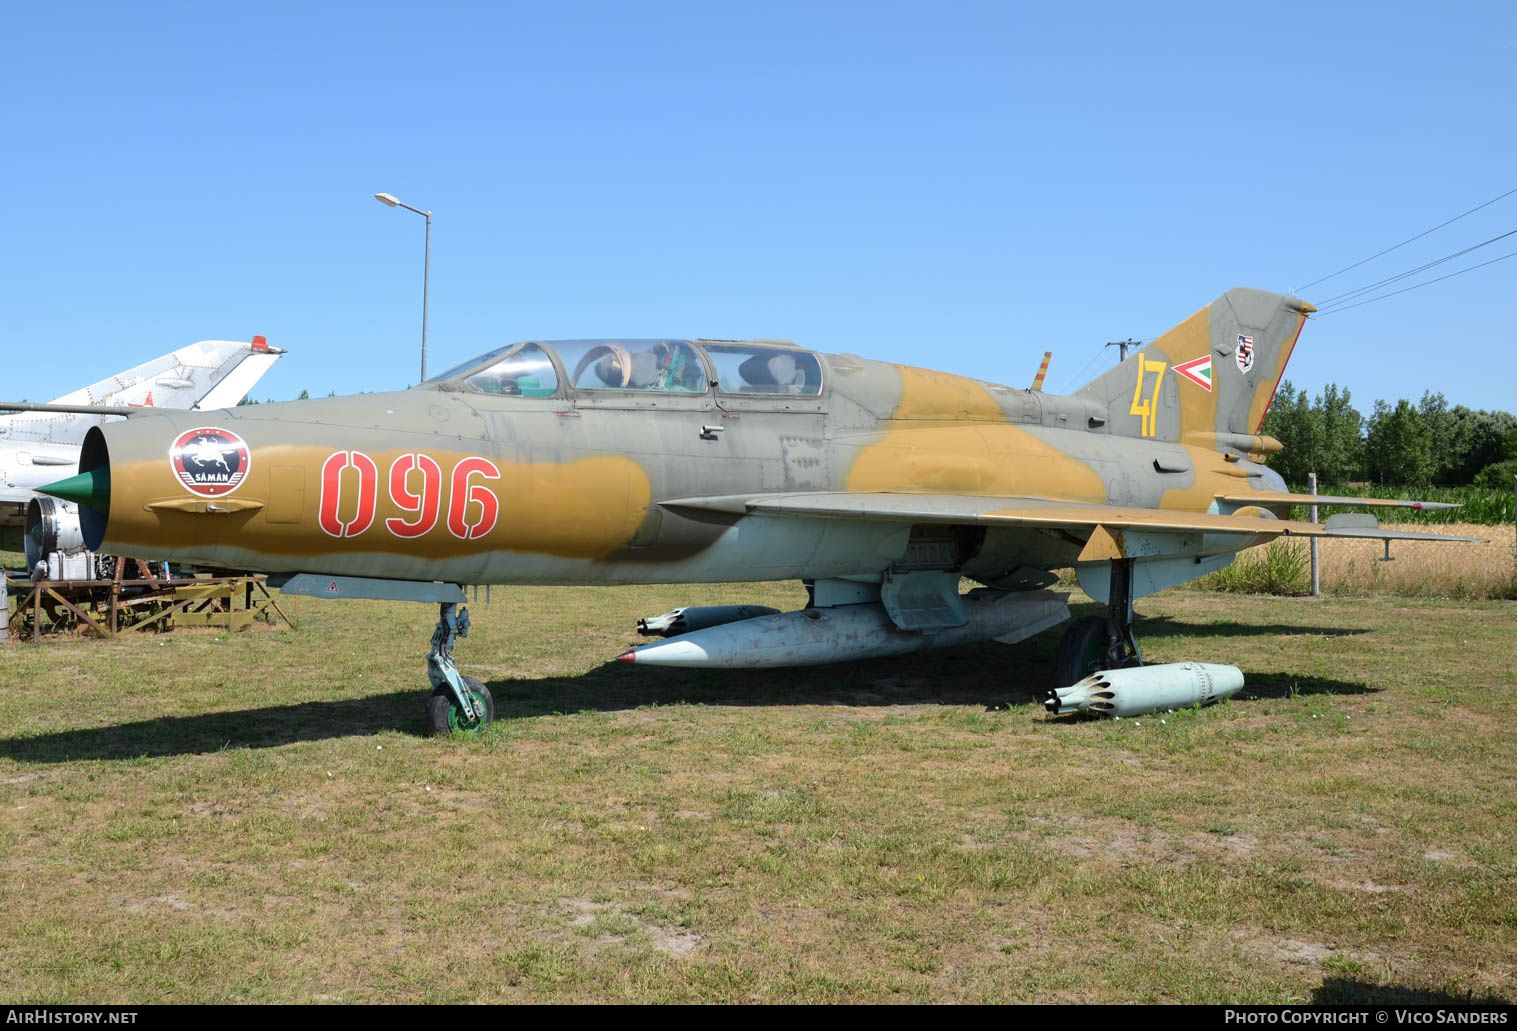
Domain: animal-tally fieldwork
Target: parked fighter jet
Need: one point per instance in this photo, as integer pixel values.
(37, 443)
(672, 461)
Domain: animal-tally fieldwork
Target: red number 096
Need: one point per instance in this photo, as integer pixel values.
(472, 507)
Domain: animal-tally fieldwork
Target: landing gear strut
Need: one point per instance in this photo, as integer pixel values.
(458, 703)
(1101, 642)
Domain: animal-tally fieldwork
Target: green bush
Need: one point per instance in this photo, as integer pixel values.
(1498, 477)
(1279, 567)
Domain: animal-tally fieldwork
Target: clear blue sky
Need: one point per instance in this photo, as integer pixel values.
(958, 185)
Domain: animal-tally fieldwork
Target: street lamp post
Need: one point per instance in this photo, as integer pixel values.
(426, 270)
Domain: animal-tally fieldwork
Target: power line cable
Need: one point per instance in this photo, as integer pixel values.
(1332, 301)
(1403, 243)
(1078, 379)
(1416, 286)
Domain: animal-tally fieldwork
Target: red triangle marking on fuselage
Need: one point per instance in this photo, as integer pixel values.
(1190, 371)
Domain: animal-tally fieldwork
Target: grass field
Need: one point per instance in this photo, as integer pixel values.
(1486, 570)
(201, 818)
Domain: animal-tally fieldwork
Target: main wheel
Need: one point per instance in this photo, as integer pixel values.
(445, 717)
(1082, 651)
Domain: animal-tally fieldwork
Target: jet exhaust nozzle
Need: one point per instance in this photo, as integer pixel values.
(51, 526)
(1146, 689)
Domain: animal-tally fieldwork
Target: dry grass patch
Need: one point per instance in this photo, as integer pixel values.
(1486, 570)
(1417, 568)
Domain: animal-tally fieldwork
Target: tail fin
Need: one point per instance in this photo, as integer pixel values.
(1215, 373)
(210, 374)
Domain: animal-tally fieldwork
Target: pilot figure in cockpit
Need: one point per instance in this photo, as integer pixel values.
(770, 373)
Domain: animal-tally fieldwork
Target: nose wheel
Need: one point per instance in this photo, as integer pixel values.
(459, 704)
(446, 717)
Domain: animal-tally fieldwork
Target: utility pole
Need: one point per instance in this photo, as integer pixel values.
(1123, 345)
(389, 201)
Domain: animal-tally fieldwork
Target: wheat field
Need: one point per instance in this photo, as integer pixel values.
(1433, 568)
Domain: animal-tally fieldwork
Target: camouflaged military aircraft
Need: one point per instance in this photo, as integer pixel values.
(880, 486)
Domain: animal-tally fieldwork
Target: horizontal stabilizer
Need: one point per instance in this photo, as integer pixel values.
(1281, 498)
(1362, 525)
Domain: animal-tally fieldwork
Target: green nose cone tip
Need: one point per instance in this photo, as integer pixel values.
(92, 489)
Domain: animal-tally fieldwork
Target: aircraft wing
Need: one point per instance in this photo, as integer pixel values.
(1036, 512)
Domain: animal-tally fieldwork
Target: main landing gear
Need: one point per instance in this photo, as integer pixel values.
(1101, 642)
(458, 703)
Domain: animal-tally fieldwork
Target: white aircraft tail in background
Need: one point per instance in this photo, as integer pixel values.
(210, 374)
(36, 447)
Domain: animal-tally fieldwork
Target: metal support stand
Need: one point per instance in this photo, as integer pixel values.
(1316, 565)
(452, 623)
(1121, 645)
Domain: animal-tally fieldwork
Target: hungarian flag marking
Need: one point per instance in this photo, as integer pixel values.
(1197, 370)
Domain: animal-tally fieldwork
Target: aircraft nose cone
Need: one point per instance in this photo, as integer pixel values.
(91, 488)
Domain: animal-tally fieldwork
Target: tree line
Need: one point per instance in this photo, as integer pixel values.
(1419, 444)
(303, 396)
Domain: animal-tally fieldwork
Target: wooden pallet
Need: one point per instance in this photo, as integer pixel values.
(106, 607)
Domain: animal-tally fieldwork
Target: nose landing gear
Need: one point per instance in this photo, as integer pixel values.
(458, 703)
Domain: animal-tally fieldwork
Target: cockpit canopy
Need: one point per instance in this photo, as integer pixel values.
(677, 366)
(671, 365)
(759, 368)
(525, 371)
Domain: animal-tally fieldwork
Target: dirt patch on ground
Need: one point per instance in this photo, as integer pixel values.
(1291, 950)
(1301, 952)
(1115, 842)
(583, 914)
(1367, 887)
(169, 901)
